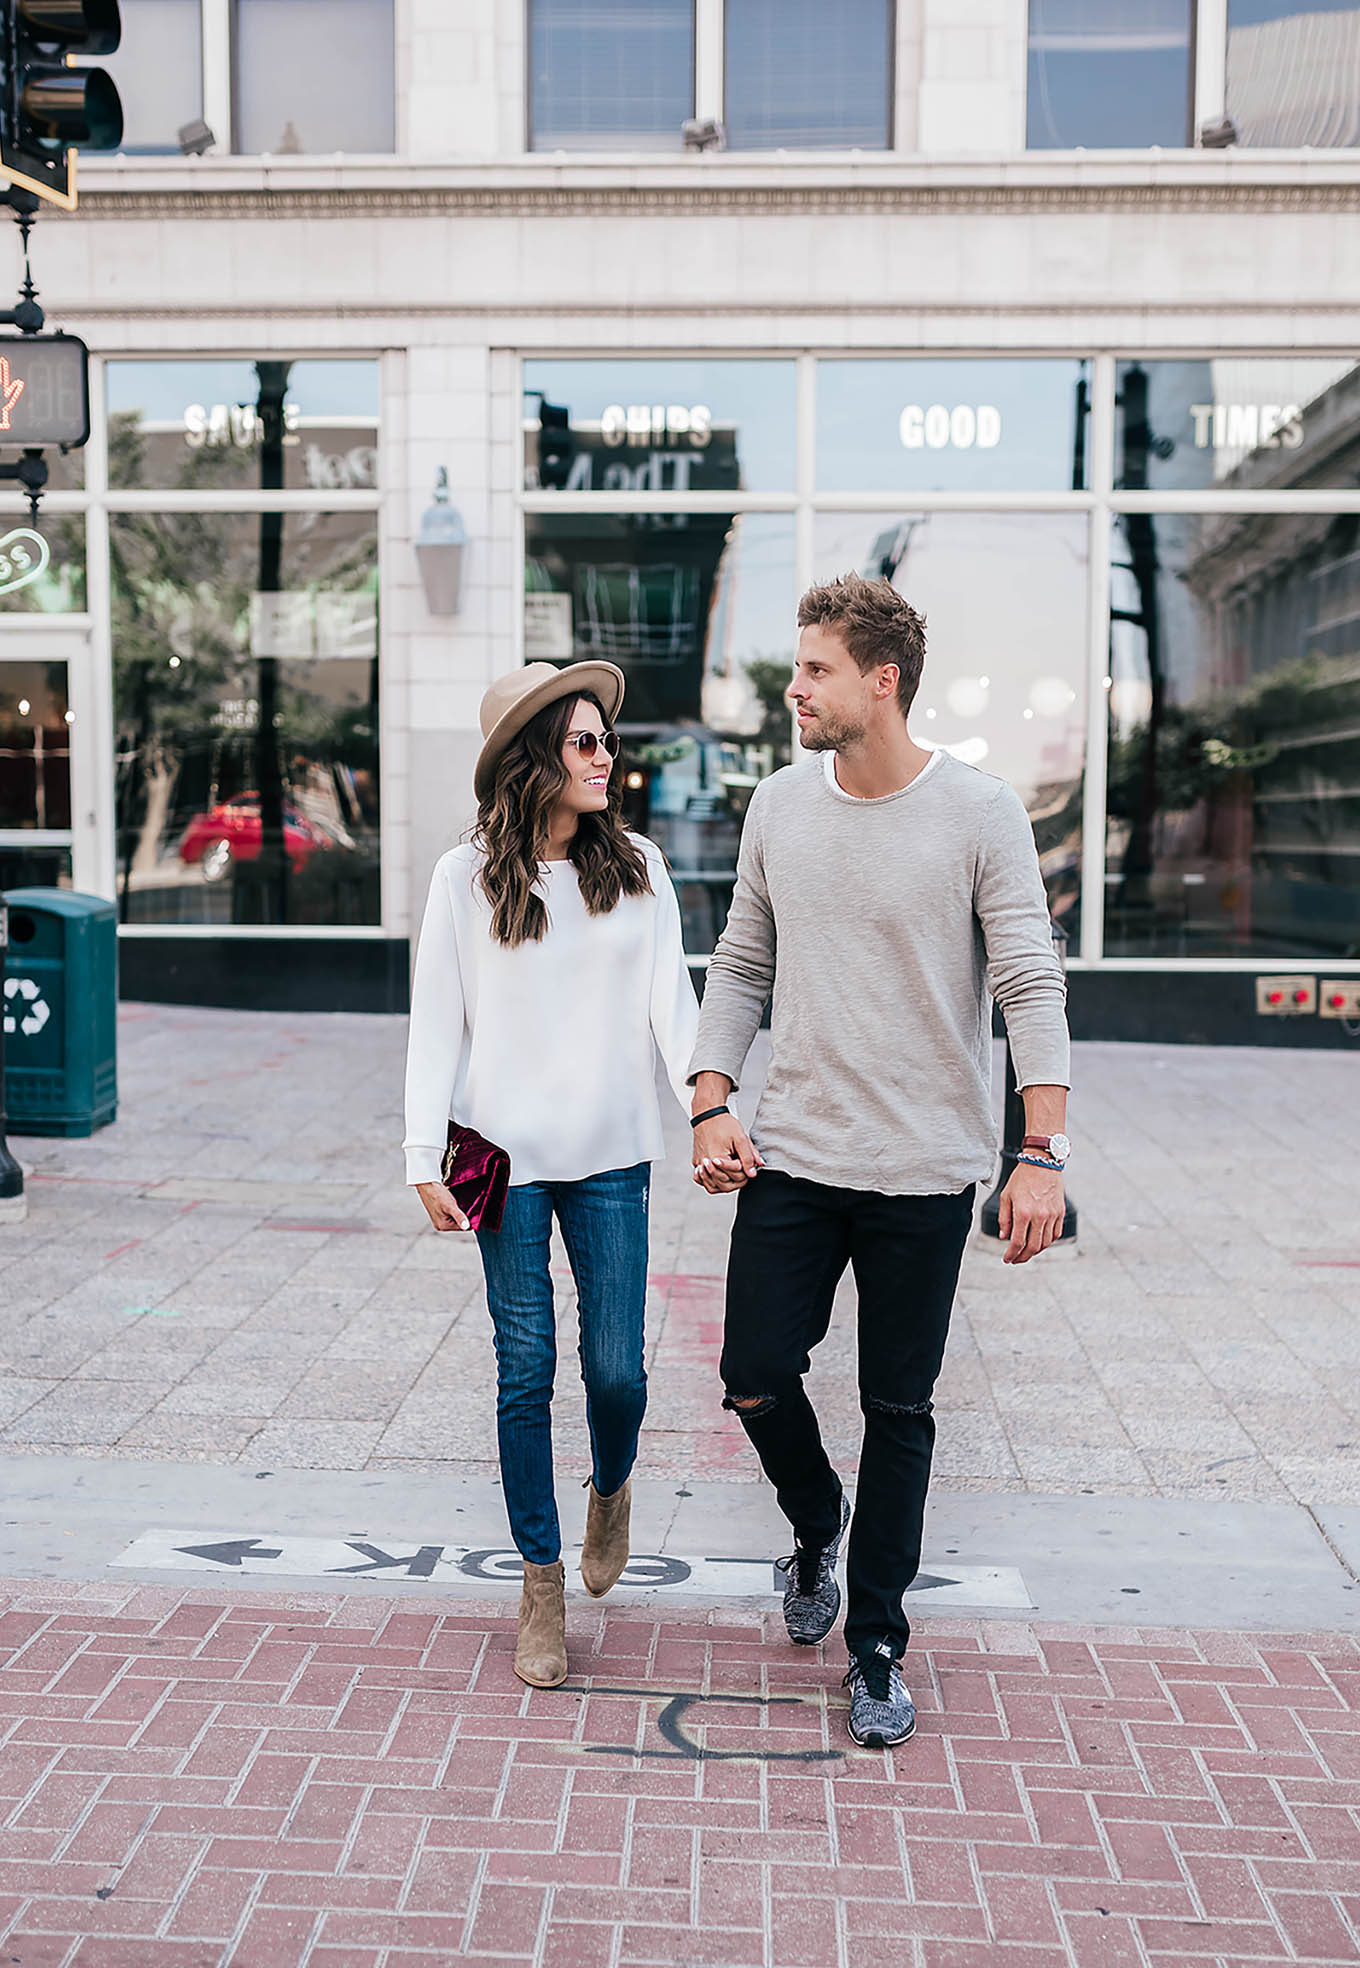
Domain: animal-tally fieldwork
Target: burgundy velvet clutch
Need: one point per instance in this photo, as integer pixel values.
(476, 1174)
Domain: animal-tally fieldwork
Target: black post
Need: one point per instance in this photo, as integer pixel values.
(1012, 1135)
(260, 887)
(11, 1175)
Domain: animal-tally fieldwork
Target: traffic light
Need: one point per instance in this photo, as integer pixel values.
(556, 445)
(47, 108)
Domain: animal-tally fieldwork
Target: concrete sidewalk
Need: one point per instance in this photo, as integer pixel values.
(233, 1272)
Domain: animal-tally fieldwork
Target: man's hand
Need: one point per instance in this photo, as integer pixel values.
(1031, 1212)
(443, 1212)
(723, 1156)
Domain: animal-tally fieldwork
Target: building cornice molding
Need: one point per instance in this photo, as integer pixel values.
(246, 189)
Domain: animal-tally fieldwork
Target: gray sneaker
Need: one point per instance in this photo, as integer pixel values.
(881, 1710)
(812, 1597)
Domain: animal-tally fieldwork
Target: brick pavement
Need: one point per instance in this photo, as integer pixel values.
(239, 1780)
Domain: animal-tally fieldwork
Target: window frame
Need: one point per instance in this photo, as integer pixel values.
(1100, 502)
(90, 635)
(221, 89)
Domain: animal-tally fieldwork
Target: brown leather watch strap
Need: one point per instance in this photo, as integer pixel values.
(1038, 1141)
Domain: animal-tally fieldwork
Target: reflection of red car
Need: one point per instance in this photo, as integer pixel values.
(231, 832)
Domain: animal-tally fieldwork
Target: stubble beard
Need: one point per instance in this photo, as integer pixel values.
(829, 735)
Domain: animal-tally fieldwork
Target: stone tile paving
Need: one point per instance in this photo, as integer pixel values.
(240, 1780)
(233, 1272)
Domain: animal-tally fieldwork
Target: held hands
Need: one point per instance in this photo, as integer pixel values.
(1031, 1212)
(443, 1212)
(724, 1159)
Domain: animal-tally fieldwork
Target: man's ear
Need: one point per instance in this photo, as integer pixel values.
(886, 682)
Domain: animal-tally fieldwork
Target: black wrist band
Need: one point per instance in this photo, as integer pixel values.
(709, 1114)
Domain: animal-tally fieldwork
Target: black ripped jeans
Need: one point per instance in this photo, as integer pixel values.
(791, 1243)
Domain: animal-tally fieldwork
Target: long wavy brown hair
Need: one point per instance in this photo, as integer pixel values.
(512, 831)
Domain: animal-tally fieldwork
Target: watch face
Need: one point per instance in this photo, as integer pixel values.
(1059, 1147)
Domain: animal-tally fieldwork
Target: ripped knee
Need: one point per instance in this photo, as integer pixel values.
(874, 1401)
(751, 1405)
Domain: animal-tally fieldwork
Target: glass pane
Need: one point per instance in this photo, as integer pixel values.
(315, 75)
(158, 67)
(42, 567)
(35, 745)
(622, 425)
(792, 85)
(1108, 74)
(1004, 682)
(29, 865)
(952, 426)
(245, 678)
(1294, 72)
(697, 610)
(1242, 423)
(610, 74)
(1234, 768)
(192, 425)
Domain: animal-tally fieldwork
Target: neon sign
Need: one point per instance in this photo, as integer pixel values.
(23, 556)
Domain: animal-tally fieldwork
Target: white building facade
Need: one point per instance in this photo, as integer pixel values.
(952, 292)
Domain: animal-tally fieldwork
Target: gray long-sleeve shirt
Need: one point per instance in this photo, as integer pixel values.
(882, 929)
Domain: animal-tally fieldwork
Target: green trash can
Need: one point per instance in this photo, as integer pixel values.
(61, 1012)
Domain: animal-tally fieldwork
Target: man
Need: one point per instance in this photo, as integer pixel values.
(885, 893)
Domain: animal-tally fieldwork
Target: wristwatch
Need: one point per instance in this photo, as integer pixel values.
(1056, 1146)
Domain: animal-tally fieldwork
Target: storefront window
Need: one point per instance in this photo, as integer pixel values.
(35, 746)
(1294, 72)
(623, 425)
(975, 424)
(1234, 762)
(697, 609)
(158, 67)
(610, 74)
(245, 663)
(198, 426)
(1005, 598)
(1109, 74)
(792, 85)
(33, 864)
(315, 76)
(1239, 423)
(42, 565)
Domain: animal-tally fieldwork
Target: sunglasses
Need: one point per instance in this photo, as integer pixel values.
(588, 743)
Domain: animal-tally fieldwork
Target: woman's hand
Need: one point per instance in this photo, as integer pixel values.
(443, 1212)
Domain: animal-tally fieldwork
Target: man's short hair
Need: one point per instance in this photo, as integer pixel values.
(876, 625)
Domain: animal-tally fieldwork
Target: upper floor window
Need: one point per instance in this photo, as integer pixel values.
(1109, 74)
(158, 68)
(610, 74)
(792, 85)
(1294, 72)
(314, 75)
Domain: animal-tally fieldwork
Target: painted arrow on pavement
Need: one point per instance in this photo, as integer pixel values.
(233, 1552)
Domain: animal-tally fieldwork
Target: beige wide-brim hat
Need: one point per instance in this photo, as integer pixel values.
(512, 700)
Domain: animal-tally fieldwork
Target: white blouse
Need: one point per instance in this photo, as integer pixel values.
(548, 1049)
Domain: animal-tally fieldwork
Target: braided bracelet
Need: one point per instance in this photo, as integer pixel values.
(1055, 1168)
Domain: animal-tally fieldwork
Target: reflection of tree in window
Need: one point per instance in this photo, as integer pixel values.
(187, 620)
(1254, 842)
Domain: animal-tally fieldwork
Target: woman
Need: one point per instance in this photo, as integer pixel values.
(549, 973)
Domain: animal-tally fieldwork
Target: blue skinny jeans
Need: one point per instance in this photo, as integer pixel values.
(604, 1227)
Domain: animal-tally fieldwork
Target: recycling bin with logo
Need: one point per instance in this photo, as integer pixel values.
(61, 1010)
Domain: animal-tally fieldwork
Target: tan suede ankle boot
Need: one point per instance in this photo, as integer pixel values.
(541, 1644)
(605, 1551)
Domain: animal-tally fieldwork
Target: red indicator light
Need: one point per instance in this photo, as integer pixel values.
(1274, 997)
(1336, 1000)
(1300, 997)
